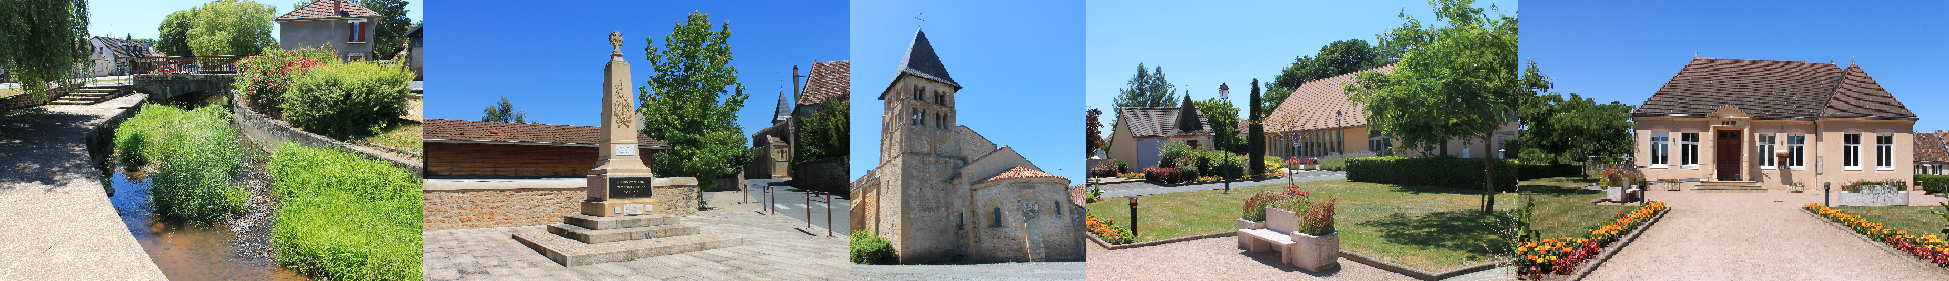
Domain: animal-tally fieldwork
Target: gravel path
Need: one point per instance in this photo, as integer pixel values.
(1220, 259)
(57, 220)
(1754, 236)
(1139, 188)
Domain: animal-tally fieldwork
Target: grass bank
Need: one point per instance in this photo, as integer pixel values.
(1564, 210)
(1913, 219)
(1431, 228)
(195, 158)
(345, 217)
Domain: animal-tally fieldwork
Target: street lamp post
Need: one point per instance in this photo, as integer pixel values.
(1225, 93)
(1133, 215)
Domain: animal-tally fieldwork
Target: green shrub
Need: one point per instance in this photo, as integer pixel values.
(347, 101)
(195, 154)
(1171, 153)
(263, 79)
(1444, 171)
(1338, 161)
(1537, 171)
(871, 249)
(345, 217)
(1255, 206)
(1274, 163)
(1933, 183)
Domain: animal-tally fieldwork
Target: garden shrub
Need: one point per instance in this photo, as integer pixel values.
(1274, 163)
(1108, 230)
(1446, 171)
(1933, 184)
(347, 101)
(195, 154)
(345, 217)
(1338, 161)
(1169, 155)
(263, 79)
(1255, 206)
(1103, 170)
(1537, 171)
(1122, 167)
(871, 249)
(1164, 175)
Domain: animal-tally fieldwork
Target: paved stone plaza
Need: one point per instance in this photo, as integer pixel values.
(776, 248)
(1754, 236)
(58, 220)
(1220, 259)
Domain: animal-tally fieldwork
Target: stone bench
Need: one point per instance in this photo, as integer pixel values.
(1280, 226)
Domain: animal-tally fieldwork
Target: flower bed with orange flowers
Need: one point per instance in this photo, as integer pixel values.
(1927, 247)
(1109, 231)
(1562, 256)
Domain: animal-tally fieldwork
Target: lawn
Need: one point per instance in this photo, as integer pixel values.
(403, 132)
(1913, 219)
(1431, 228)
(1562, 210)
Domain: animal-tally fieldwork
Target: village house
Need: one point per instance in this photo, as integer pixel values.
(339, 24)
(772, 147)
(120, 56)
(1766, 124)
(1318, 120)
(416, 39)
(1141, 132)
(1931, 153)
(944, 194)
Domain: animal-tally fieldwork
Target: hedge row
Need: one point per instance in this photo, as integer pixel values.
(1537, 171)
(1431, 171)
(1933, 183)
(348, 100)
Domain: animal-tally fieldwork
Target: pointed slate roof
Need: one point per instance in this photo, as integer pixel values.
(920, 61)
(1773, 90)
(784, 110)
(1188, 118)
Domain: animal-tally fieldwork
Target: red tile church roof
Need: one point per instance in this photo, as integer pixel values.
(1019, 173)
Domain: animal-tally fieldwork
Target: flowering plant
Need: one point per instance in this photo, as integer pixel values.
(1927, 247)
(263, 79)
(1561, 256)
(1108, 230)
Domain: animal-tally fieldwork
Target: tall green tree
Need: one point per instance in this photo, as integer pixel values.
(1255, 137)
(1455, 81)
(1145, 90)
(390, 35)
(231, 27)
(504, 113)
(681, 104)
(1224, 124)
(826, 134)
(174, 38)
(1556, 129)
(1334, 59)
(1093, 127)
(42, 41)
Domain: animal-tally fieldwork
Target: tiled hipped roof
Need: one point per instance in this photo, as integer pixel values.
(1770, 89)
(479, 131)
(1320, 104)
(325, 9)
(828, 80)
(1019, 173)
(1929, 147)
(1156, 121)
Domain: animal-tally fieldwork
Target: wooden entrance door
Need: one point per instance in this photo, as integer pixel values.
(1727, 158)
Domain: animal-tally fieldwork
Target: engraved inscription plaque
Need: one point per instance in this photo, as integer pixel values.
(629, 187)
(625, 149)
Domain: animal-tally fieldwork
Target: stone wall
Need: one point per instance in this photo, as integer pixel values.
(166, 87)
(509, 160)
(25, 101)
(1038, 222)
(480, 208)
(829, 175)
(268, 134)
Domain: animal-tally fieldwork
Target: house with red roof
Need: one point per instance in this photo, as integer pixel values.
(1932, 153)
(1318, 120)
(1766, 124)
(342, 25)
(772, 147)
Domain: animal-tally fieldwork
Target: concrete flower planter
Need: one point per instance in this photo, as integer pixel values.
(1316, 253)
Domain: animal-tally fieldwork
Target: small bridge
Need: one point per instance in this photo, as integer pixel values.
(186, 87)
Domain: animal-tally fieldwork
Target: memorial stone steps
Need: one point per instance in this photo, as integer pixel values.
(586, 240)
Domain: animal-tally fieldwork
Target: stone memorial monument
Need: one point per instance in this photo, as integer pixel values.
(630, 214)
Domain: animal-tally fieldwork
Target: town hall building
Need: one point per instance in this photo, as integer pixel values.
(944, 194)
(1766, 124)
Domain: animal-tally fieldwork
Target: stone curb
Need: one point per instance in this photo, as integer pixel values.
(1617, 247)
(1344, 253)
(1878, 244)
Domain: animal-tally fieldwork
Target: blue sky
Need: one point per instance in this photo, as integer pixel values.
(139, 18)
(1201, 44)
(1021, 63)
(547, 59)
(1625, 50)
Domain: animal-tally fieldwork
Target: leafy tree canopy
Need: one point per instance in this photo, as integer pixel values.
(174, 39)
(1145, 90)
(826, 134)
(390, 35)
(231, 27)
(1560, 129)
(1224, 124)
(681, 104)
(42, 42)
(505, 113)
(1094, 128)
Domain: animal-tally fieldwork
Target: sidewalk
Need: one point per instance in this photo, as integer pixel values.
(1754, 236)
(55, 219)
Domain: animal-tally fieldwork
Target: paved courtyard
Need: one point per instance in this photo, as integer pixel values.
(775, 247)
(57, 220)
(1754, 236)
(1220, 259)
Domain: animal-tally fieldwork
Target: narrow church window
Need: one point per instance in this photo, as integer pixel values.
(923, 119)
(998, 217)
(1058, 208)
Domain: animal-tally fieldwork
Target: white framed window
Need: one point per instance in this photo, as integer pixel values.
(1688, 150)
(1851, 152)
(1661, 150)
(354, 56)
(1797, 152)
(1766, 142)
(1885, 152)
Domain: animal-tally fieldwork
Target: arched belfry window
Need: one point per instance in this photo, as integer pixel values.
(998, 217)
(1058, 208)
